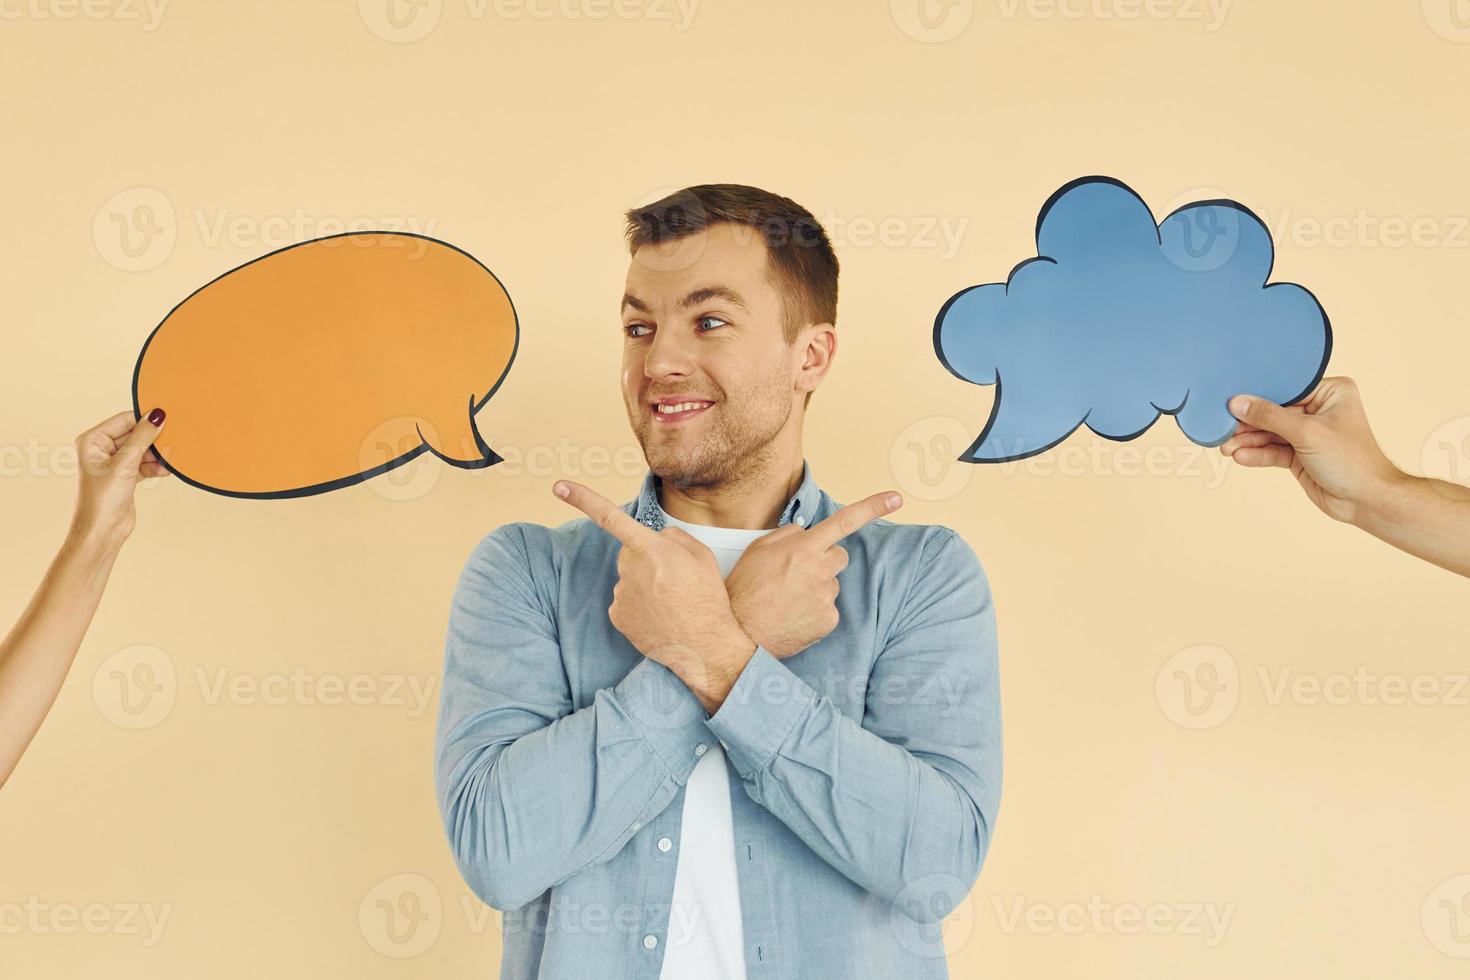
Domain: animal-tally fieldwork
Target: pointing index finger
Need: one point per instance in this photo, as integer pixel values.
(604, 513)
(855, 516)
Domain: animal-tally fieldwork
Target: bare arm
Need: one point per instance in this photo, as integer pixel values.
(1427, 518)
(38, 652)
(1327, 444)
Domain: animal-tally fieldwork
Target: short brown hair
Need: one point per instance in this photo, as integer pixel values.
(801, 258)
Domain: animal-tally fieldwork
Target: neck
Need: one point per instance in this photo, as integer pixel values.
(753, 499)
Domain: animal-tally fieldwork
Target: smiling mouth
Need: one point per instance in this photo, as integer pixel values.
(671, 412)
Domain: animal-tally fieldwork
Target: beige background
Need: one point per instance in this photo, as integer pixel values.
(204, 762)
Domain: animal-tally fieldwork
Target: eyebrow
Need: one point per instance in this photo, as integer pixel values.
(702, 295)
(707, 293)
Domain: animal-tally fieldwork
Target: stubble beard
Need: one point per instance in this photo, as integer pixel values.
(731, 446)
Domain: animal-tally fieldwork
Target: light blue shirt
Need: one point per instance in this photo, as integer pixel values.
(864, 771)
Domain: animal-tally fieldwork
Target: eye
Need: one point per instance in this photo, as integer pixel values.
(636, 329)
(704, 320)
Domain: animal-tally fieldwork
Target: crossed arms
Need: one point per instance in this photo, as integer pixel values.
(533, 790)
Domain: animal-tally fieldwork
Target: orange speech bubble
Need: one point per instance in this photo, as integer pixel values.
(326, 363)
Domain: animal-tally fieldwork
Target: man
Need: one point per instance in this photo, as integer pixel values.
(660, 772)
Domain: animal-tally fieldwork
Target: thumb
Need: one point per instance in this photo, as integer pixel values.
(1262, 413)
(130, 453)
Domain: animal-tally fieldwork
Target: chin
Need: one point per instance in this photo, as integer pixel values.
(682, 470)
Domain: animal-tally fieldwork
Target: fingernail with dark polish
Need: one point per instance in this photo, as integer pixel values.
(155, 417)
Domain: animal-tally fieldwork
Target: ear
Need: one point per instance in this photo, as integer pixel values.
(816, 346)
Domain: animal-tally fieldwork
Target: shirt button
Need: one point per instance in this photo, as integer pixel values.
(801, 522)
(664, 844)
(650, 941)
(701, 749)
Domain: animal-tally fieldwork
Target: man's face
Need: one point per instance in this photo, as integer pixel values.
(708, 376)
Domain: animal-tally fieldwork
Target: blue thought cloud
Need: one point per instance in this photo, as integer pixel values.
(1118, 320)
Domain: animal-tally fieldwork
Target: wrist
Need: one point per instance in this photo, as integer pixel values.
(1389, 500)
(711, 678)
(89, 540)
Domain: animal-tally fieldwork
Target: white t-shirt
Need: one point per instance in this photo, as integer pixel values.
(706, 939)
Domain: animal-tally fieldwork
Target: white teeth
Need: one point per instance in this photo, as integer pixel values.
(681, 407)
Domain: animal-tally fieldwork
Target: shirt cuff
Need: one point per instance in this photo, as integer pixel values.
(760, 712)
(666, 714)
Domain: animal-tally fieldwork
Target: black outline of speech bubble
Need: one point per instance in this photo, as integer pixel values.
(967, 455)
(490, 457)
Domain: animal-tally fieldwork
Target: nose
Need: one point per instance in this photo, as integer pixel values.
(670, 355)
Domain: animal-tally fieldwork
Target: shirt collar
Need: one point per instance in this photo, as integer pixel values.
(800, 509)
